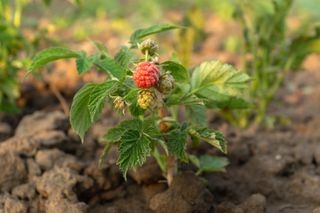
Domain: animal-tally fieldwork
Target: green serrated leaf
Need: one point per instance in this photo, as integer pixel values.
(179, 72)
(87, 105)
(97, 98)
(51, 54)
(194, 160)
(176, 142)
(110, 65)
(133, 150)
(104, 153)
(161, 160)
(134, 124)
(124, 57)
(103, 49)
(212, 164)
(197, 114)
(113, 134)
(141, 33)
(80, 118)
(218, 82)
(84, 63)
(210, 136)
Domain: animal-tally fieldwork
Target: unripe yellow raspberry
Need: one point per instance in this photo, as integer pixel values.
(146, 99)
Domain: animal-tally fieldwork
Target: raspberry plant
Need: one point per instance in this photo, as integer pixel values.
(269, 51)
(151, 94)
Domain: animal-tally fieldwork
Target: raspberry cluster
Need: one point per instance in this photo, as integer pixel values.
(146, 75)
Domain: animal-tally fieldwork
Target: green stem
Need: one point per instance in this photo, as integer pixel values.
(146, 56)
(172, 167)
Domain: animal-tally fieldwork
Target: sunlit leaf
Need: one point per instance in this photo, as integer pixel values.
(218, 82)
(179, 72)
(176, 142)
(212, 164)
(51, 54)
(80, 118)
(141, 33)
(124, 57)
(97, 98)
(84, 63)
(133, 150)
(110, 65)
(197, 114)
(210, 136)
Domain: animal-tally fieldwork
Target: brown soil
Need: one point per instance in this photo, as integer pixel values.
(45, 168)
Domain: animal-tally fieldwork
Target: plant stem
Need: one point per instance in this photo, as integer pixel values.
(172, 167)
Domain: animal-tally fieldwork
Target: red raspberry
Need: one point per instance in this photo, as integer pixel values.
(146, 75)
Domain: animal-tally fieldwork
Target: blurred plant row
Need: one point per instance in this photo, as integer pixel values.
(268, 49)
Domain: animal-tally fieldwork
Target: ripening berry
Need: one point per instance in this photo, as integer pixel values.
(148, 45)
(146, 75)
(146, 99)
(166, 83)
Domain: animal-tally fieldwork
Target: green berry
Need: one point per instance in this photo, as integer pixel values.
(166, 83)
